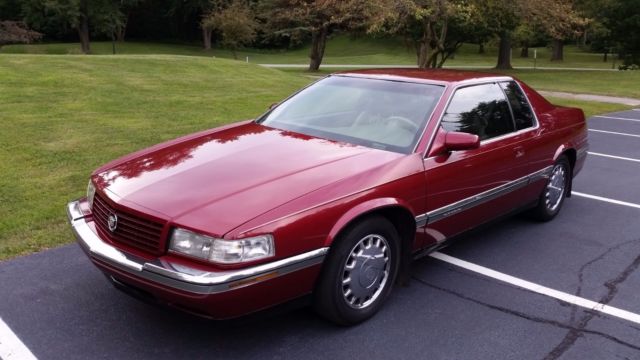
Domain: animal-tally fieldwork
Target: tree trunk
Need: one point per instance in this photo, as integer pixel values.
(206, 38)
(425, 55)
(318, 44)
(448, 54)
(504, 52)
(83, 27)
(122, 30)
(433, 60)
(120, 34)
(524, 52)
(557, 50)
(83, 33)
(481, 48)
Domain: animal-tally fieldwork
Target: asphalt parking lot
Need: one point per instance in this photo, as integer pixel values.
(61, 307)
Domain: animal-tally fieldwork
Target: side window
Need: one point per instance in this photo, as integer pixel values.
(481, 110)
(522, 113)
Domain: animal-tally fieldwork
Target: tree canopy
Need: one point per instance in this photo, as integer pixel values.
(435, 29)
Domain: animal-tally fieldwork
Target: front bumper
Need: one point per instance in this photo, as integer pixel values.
(178, 278)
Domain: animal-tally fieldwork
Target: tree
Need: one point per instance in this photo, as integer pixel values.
(560, 20)
(12, 32)
(528, 34)
(76, 14)
(210, 19)
(436, 28)
(501, 17)
(112, 21)
(621, 17)
(104, 16)
(320, 18)
(201, 9)
(10, 10)
(236, 24)
(557, 18)
(122, 17)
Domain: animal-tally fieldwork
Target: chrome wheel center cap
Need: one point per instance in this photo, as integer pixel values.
(366, 271)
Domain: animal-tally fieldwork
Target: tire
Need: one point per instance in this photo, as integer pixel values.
(555, 191)
(353, 288)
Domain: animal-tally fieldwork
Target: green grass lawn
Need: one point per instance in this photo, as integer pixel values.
(613, 83)
(63, 116)
(341, 49)
(590, 108)
(390, 51)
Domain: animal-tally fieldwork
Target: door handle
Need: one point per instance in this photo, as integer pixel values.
(519, 150)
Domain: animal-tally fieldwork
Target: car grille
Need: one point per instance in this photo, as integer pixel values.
(131, 230)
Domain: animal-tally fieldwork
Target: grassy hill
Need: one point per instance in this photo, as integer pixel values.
(62, 116)
(341, 49)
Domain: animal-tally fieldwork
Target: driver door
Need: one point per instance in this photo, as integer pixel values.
(467, 188)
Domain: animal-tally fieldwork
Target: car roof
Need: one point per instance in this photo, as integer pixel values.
(431, 76)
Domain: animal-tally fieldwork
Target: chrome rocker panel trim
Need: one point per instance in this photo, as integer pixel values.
(481, 198)
(180, 277)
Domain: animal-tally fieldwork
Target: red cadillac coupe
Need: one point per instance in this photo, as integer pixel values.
(332, 192)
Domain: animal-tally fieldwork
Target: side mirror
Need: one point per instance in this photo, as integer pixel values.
(456, 141)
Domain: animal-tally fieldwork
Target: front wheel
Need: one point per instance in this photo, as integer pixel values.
(359, 272)
(554, 192)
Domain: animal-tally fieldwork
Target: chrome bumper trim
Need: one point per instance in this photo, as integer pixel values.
(180, 277)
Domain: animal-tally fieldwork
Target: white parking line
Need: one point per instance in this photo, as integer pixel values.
(614, 133)
(614, 157)
(539, 289)
(611, 201)
(11, 348)
(616, 118)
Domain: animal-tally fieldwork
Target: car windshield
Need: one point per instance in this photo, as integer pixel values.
(381, 114)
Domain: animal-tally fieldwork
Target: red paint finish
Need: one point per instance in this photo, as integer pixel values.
(231, 304)
(246, 179)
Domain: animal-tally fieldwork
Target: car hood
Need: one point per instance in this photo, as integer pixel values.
(221, 179)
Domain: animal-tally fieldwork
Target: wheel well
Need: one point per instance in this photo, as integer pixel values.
(571, 155)
(405, 223)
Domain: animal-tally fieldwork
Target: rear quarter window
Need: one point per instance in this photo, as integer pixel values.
(522, 112)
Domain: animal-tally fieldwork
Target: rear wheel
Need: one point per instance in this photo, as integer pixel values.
(359, 272)
(554, 193)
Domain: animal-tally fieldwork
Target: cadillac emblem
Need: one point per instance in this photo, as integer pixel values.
(113, 222)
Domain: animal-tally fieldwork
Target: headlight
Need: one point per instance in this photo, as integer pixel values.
(91, 192)
(219, 250)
